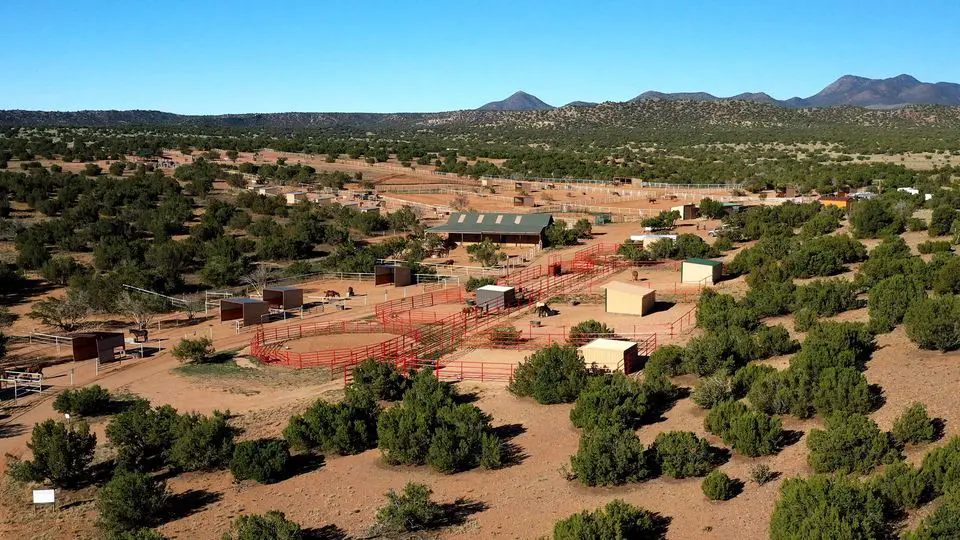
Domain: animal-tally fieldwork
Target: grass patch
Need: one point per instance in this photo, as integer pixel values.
(222, 364)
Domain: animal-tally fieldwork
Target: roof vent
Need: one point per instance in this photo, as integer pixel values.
(499, 219)
(517, 219)
(480, 218)
(461, 218)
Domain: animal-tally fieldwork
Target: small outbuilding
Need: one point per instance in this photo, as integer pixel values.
(400, 276)
(686, 211)
(628, 299)
(296, 196)
(283, 297)
(611, 354)
(840, 201)
(249, 310)
(496, 296)
(703, 271)
(100, 345)
(523, 200)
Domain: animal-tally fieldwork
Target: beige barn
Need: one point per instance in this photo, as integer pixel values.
(611, 354)
(702, 271)
(629, 299)
(686, 211)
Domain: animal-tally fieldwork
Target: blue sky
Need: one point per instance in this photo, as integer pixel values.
(209, 57)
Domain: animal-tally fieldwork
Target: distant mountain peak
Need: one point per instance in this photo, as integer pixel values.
(519, 101)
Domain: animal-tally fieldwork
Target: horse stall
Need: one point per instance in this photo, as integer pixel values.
(611, 354)
(283, 297)
(496, 296)
(400, 276)
(100, 345)
(249, 310)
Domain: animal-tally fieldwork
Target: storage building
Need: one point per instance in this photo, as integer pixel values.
(840, 201)
(523, 200)
(702, 271)
(628, 299)
(496, 296)
(400, 276)
(283, 297)
(686, 211)
(249, 310)
(475, 227)
(100, 345)
(611, 354)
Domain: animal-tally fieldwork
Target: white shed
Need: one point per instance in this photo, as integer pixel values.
(702, 271)
(611, 354)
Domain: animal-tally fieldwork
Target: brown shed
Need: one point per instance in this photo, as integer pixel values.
(523, 200)
(102, 345)
(400, 276)
(249, 310)
(283, 297)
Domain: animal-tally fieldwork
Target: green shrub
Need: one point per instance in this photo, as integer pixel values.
(555, 374)
(273, 525)
(745, 378)
(195, 351)
(409, 511)
(143, 435)
(932, 246)
(827, 297)
(934, 323)
(202, 443)
(901, 486)
(752, 433)
(612, 399)
(943, 523)
(941, 467)
(428, 427)
(667, 360)
(587, 331)
(850, 443)
(771, 298)
(804, 319)
(717, 486)
(349, 427)
(609, 456)
(717, 312)
(873, 219)
(823, 256)
(130, 501)
(722, 415)
(841, 391)
(724, 350)
(680, 454)
(617, 521)
(773, 341)
(475, 283)
(380, 380)
(914, 426)
(87, 401)
(712, 390)
(62, 454)
(890, 298)
(826, 507)
(916, 225)
(941, 220)
(262, 460)
(760, 474)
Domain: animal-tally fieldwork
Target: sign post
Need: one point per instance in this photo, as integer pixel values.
(44, 496)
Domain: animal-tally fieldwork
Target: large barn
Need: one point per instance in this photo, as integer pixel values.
(502, 228)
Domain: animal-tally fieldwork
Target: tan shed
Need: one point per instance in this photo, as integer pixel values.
(611, 354)
(686, 211)
(702, 271)
(629, 299)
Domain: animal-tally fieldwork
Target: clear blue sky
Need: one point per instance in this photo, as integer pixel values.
(208, 57)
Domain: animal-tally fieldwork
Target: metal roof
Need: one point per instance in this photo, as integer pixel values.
(707, 262)
(494, 223)
(244, 300)
(629, 288)
(284, 288)
(495, 288)
(609, 345)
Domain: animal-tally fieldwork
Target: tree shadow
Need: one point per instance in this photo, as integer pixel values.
(719, 455)
(457, 512)
(12, 430)
(877, 397)
(98, 474)
(469, 397)
(327, 532)
(655, 414)
(513, 454)
(736, 486)
(509, 431)
(181, 505)
(789, 437)
(304, 463)
(660, 525)
(939, 428)
(660, 306)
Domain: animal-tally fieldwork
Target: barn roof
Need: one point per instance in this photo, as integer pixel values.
(706, 262)
(610, 344)
(494, 223)
(628, 288)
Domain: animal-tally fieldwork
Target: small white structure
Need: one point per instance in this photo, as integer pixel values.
(910, 190)
(296, 196)
(611, 354)
(628, 299)
(495, 296)
(648, 239)
(701, 271)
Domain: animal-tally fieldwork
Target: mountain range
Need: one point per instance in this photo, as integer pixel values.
(847, 90)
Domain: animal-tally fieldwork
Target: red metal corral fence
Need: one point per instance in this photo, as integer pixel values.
(428, 299)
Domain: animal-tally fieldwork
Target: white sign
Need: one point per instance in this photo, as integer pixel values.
(44, 496)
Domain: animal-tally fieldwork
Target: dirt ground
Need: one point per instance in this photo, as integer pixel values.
(326, 343)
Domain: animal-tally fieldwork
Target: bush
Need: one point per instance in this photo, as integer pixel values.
(681, 454)
(722, 415)
(944, 275)
(411, 510)
(273, 525)
(717, 486)
(428, 427)
(890, 298)
(804, 319)
(609, 456)
(760, 474)
(349, 427)
(771, 298)
(851, 443)
(873, 219)
(712, 390)
(263, 460)
(143, 435)
(916, 225)
(555, 374)
(504, 335)
(934, 246)
(87, 401)
(381, 380)
(667, 360)
(825, 507)
(901, 486)
(587, 331)
(130, 501)
(941, 220)
(202, 443)
(752, 433)
(721, 311)
(617, 521)
(934, 323)
(914, 426)
(724, 350)
(475, 283)
(613, 400)
(944, 522)
(941, 467)
(841, 391)
(773, 341)
(196, 351)
(62, 454)
(747, 376)
(827, 297)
